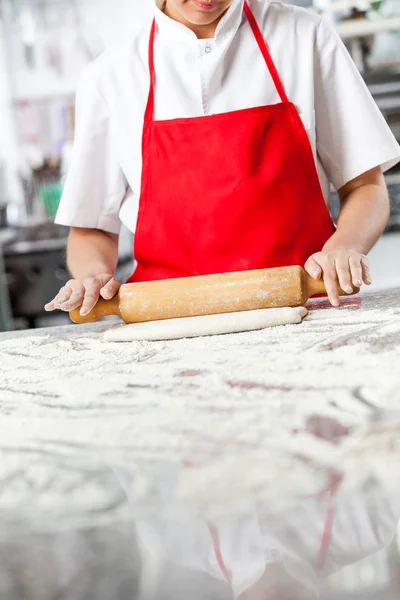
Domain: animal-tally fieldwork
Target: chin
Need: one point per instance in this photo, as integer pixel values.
(196, 16)
(200, 21)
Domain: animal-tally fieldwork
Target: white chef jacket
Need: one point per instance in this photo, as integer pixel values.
(196, 77)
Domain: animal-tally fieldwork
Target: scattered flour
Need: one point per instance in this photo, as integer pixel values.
(255, 417)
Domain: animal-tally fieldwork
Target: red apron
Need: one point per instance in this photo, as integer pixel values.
(228, 192)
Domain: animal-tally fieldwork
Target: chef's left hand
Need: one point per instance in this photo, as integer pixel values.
(348, 267)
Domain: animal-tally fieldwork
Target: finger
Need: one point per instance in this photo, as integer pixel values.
(74, 301)
(356, 270)
(65, 293)
(92, 294)
(331, 284)
(343, 272)
(61, 297)
(110, 289)
(50, 305)
(313, 268)
(366, 271)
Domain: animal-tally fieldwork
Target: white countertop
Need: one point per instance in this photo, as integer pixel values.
(96, 436)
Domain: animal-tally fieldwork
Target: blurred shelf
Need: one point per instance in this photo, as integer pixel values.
(45, 237)
(393, 178)
(366, 27)
(385, 65)
(39, 96)
(387, 87)
(6, 236)
(389, 104)
(36, 246)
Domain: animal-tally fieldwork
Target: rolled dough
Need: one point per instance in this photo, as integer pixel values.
(189, 327)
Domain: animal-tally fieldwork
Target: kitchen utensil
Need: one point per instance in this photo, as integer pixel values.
(207, 295)
(50, 194)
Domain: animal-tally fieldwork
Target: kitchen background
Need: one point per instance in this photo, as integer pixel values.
(44, 45)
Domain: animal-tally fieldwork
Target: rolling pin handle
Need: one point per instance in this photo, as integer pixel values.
(317, 286)
(103, 308)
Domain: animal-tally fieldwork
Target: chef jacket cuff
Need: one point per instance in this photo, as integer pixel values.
(386, 159)
(108, 223)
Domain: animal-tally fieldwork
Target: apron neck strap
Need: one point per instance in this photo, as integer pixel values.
(265, 52)
(149, 114)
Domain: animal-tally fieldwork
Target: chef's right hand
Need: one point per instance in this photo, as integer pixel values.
(84, 293)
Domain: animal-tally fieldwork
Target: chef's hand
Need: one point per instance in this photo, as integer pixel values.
(84, 293)
(348, 267)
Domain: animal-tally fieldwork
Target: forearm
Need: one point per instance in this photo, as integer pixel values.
(363, 217)
(92, 258)
(91, 252)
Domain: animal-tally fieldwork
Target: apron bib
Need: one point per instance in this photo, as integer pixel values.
(227, 192)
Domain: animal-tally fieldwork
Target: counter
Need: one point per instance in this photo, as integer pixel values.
(99, 439)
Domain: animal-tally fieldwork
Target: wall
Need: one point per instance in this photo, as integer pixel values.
(77, 31)
(9, 153)
(118, 17)
(67, 29)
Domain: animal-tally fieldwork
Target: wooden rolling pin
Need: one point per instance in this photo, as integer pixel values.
(207, 295)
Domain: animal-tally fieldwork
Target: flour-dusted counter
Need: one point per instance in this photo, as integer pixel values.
(97, 437)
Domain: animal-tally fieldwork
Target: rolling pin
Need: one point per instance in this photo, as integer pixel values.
(208, 295)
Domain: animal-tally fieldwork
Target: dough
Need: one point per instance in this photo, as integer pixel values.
(189, 327)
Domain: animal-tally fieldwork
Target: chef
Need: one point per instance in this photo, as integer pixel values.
(215, 135)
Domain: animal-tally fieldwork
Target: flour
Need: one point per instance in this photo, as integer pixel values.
(233, 409)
